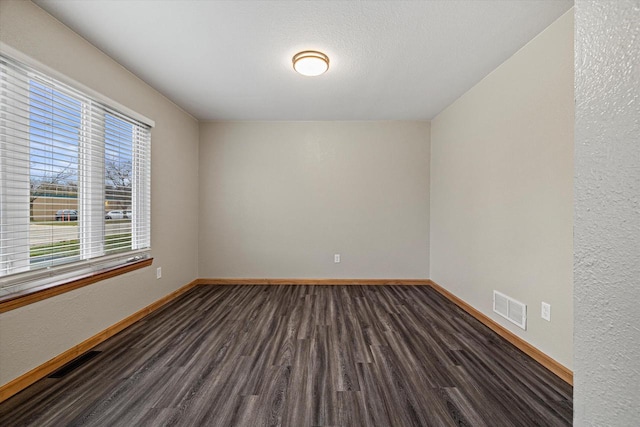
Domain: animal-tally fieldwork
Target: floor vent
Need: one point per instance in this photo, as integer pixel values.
(74, 364)
(512, 310)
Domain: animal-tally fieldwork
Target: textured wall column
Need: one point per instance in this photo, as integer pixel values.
(607, 213)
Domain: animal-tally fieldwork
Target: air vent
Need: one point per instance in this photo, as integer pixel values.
(74, 364)
(511, 309)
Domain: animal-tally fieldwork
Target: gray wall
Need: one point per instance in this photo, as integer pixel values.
(502, 190)
(31, 335)
(607, 214)
(279, 199)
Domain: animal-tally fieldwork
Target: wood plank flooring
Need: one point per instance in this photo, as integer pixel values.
(301, 356)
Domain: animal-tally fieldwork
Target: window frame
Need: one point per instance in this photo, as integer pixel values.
(68, 276)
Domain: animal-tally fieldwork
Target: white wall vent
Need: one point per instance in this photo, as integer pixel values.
(511, 309)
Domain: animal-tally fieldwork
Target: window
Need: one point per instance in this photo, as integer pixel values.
(74, 180)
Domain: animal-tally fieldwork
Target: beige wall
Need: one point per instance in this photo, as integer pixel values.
(279, 199)
(501, 189)
(31, 335)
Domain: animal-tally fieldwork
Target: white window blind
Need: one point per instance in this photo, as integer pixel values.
(74, 181)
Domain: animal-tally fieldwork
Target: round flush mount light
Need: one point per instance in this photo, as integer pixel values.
(310, 63)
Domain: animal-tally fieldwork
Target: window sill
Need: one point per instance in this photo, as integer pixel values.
(20, 299)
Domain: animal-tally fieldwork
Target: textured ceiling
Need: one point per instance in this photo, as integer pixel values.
(231, 60)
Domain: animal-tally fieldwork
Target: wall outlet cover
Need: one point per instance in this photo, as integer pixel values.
(546, 311)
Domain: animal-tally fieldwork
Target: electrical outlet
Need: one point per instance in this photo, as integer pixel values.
(158, 272)
(546, 311)
(336, 258)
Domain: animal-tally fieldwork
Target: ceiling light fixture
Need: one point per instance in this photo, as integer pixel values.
(310, 63)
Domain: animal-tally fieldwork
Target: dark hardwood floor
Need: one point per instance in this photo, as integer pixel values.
(301, 356)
